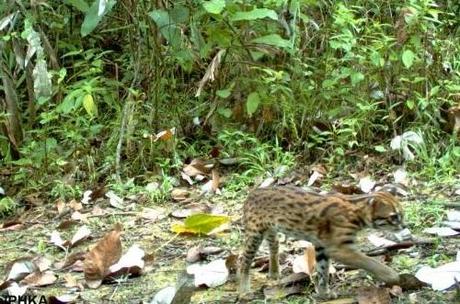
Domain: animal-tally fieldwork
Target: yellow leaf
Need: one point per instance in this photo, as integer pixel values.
(200, 223)
(89, 105)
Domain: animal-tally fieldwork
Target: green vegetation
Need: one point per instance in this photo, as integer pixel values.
(121, 95)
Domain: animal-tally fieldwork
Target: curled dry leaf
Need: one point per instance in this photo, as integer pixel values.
(82, 233)
(165, 135)
(114, 200)
(180, 194)
(74, 205)
(20, 268)
(197, 167)
(152, 214)
(86, 197)
(267, 182)
(77, 216)
(305, 263)
(198, 253)
(442, 277)
(366, 184)
(379, 241)
(40, 278)
(98, 260)
(132, 262)
(211, 275)
(74, 259)
(441, 231)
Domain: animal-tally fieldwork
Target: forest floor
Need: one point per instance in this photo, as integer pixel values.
(148, 224)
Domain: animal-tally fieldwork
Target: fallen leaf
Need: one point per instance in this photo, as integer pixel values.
(180, 194)
(56, 240)
(67, 224)
(229, 161)
(164, 296)
(267, 182)
(130, 263)
(212, 274)
(196, 167)
(400, 177)
(373, 295)
(63, 299)
(190, 209)
(77, 216)
(115, 200)
(20, 268)
(12, 225)
(71, 260)
(441, 231)
(198, 253)
(152, 214)
(98, 211)
(379, 241)
(201, 223)
(442, 277)
(165, 135)
(60, 206)
(82, 233)
(305, 263)
(453, 215)
(98, 260)
(366, 184)
(15, 290)
(86, 197)
(314, 178)
(187, 178)
(38, 278)
(42, 263)
(76, 206)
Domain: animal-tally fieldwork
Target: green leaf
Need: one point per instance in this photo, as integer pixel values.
(226, 112)
(380, 149)
(252, 103)
(257, 13)
(273, 39)
(408, 58)
(356, 77)
(377, 60)
(214, 6)
(167, 27)
(80, 5)
(92, 16)
(180, 14)
(224, 93)
(89, 105)
(410, 104)
(200, 223)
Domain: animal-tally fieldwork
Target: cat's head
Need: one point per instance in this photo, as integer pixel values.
(386, 211)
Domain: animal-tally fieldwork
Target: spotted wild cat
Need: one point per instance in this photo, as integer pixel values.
(330, 222)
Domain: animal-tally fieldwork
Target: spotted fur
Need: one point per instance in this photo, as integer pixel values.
(329, 221)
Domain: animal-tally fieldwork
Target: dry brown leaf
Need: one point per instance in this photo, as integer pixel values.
(98, 211)
(180, 194)
(77, 216)
(373, 295)
(305, 263)
(74, 205)
(165, 135)
(106, 253)
(60, 206)
(40, 278)
(71, 260)
(131, 263)
(211, 72)
(215, 180)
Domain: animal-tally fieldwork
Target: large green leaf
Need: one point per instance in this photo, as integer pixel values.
(408, 58)
(273, 39)
(80, 5)
(214, 6)
(201, 223)
(93, 16)
(252, 103)
(257, 13)
(167, 27)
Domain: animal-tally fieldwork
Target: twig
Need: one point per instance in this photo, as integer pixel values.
(120, 141)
